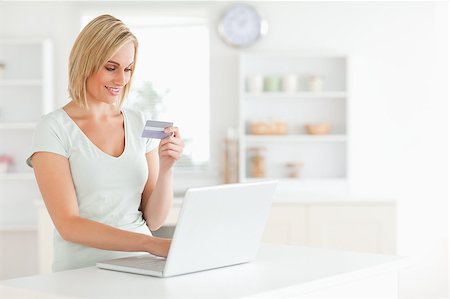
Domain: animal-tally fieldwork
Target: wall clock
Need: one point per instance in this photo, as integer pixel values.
(242, 25)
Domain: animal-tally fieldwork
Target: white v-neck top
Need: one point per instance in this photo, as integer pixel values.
(108, 188)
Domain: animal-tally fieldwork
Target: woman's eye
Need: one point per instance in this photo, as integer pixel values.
(109, 68)
(128, 70)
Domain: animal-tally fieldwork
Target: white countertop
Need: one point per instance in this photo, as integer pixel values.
(289, 199)
(277, 268)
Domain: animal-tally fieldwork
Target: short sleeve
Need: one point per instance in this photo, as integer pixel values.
(151, 144)
(48, 137)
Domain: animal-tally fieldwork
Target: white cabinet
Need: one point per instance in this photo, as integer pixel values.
(362, 226)
(287, 224)
(359, 227)
(25, 95)
(354, 225)
(365, 227)
(293, 120)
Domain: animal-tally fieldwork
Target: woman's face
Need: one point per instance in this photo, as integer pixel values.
(107, 84)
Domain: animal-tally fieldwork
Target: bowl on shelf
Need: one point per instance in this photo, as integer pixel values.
(268, 128)
(318, 129)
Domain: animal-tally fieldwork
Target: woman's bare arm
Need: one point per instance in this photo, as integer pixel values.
(54, 179)
(157, 197)
(158, 193)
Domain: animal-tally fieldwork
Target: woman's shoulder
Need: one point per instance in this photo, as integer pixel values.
(133, 113)
(134, 116)
(53, 118)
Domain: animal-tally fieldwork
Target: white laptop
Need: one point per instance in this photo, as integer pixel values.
(218, 226)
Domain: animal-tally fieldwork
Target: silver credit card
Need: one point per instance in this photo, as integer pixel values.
(155, 129)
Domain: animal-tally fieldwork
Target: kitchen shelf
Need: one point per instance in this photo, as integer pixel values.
(18, 228)
(321, 159)
(17, 125)
(16, 176)
(295, 138)
(296, 95)
(26, 93)
(20, 82)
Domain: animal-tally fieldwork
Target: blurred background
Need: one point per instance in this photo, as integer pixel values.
(345, 103)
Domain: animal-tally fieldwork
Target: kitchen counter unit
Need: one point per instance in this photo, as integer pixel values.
(279, 271)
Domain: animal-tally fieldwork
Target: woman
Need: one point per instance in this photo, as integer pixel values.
(104, 186)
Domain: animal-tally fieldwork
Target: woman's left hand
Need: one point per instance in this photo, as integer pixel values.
(170, 148)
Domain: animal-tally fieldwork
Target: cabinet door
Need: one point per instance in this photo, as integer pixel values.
(286, 225)
(45, 240)
(356, 228)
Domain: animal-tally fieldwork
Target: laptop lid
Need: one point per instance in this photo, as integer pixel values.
(219, 226)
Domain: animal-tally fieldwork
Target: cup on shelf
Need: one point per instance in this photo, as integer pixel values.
(254, 83)
(272, 84)
(315, 83)
(289, 83)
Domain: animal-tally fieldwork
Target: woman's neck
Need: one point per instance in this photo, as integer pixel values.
(95, 111)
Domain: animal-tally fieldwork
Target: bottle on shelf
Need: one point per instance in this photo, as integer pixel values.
(257, 162)
(231, 153)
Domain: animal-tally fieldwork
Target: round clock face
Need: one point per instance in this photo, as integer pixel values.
(242, 25)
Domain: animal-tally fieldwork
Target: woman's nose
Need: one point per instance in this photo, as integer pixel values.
(120, 78)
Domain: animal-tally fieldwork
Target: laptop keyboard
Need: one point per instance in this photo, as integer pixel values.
(143, 262)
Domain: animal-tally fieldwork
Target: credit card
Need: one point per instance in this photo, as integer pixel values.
(155, 129)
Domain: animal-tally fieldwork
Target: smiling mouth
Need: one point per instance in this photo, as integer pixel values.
(113, 90)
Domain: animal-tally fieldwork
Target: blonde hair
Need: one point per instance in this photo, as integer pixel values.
(94, 46)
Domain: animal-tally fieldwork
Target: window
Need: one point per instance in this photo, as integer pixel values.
(173, 63)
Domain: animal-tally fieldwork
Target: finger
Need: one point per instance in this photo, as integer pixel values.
(175, 140)
(171, 153)
(171, 146)
(174, 130)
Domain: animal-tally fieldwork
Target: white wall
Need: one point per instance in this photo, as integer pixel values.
(398, 106)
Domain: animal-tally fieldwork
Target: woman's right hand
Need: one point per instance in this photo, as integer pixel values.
(159, 246)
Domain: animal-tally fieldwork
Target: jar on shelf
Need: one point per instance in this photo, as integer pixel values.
(272, 84)
(289, 83)
(293, 169)
(257, 162)
(254, 83)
